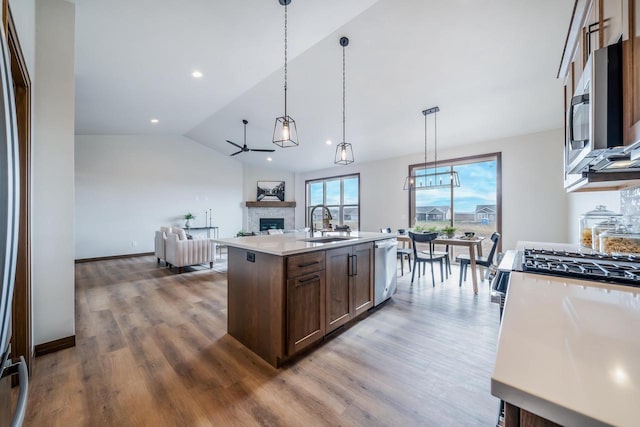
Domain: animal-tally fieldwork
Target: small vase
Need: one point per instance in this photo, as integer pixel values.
(187, 223)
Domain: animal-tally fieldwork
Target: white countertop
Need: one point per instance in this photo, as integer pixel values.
(291, 243)
(569, 350)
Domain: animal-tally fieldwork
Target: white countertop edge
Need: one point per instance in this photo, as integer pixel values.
(296, 246)
(537, 405)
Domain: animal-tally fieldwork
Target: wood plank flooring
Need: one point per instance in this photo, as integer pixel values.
(152, 350)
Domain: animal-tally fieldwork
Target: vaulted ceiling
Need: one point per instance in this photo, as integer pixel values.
(490, 65)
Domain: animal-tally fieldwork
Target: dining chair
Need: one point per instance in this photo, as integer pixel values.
(487, 261)
(447, 260)
(402, 253)
(427, 256)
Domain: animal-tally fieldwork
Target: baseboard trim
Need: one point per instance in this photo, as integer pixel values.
(53, 346)
(104, 258)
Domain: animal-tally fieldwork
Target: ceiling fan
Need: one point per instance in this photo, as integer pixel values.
(244, 148)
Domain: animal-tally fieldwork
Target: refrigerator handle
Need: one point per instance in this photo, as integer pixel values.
(19, 368)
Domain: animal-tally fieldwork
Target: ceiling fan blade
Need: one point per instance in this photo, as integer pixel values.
(263, 150)
(233, 143)
(237, 152)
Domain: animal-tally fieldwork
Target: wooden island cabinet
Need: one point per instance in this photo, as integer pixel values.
(282, 302)
(349, 283)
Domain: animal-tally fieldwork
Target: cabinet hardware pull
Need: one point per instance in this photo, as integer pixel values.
(354, 267)
(309, 279)
(307, 264)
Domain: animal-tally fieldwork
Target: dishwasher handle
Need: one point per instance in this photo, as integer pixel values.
(387, 243)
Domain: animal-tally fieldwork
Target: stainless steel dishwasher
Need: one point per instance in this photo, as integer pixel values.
(385, 265)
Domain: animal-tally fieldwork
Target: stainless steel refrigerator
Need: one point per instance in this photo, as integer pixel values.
(9, 222)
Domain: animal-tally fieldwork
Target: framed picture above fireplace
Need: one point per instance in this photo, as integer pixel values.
(270, 191)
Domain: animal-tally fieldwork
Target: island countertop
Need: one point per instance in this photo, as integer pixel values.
(568, 350)
(296, 243)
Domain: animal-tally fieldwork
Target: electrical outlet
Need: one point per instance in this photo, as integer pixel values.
(134, 243)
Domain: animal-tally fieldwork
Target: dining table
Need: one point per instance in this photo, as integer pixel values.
(474, 244)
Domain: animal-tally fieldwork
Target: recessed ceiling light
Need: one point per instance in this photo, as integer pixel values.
(154, 121)
(197, 74)
(328, 142)
(269, 159)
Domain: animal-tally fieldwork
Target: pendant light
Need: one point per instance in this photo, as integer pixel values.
(344, 151)
(420, 179)
(285, 133)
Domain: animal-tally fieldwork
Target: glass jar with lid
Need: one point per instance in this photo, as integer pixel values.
(610, 223)
(620, 241)
(591, 218)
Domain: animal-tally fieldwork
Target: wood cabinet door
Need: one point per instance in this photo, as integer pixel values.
(611, 21)
(631, 73)
(362, 279)
(338, 292)
(305, 311)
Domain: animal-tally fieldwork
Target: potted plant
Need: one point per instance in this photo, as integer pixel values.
(187, 218)
(448, 231)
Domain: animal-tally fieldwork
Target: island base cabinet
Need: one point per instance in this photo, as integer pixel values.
(349, 283)
(362, 280)
(255, 298)
(305, 311)
(338, 292)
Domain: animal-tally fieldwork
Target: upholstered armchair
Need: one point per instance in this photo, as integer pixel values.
(182, 252)
(161, 243)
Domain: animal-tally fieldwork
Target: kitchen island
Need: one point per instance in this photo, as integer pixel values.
(287, 291)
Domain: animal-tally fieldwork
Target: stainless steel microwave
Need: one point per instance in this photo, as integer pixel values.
(594, 118)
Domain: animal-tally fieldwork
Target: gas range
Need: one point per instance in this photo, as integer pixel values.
(619, 269)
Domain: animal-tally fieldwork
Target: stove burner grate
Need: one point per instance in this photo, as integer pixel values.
(591, 266)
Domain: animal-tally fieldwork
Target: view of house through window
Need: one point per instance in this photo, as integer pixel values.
(341, 194)
(474, 206)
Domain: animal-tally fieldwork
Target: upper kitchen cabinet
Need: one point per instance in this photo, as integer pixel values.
(631, 73)
(600, 68)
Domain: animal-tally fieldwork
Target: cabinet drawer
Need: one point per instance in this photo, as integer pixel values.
(298, 265)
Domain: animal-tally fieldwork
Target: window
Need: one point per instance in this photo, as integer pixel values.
(474, 206)
(341, 194)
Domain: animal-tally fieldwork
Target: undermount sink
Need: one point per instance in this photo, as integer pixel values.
(327, 239)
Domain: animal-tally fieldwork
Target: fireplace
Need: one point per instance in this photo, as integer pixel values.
(271, 223)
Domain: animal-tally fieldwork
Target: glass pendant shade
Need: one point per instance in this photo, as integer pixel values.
(285, 133)
(344, 154)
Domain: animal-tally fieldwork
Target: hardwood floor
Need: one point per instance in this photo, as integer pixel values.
(152, 350)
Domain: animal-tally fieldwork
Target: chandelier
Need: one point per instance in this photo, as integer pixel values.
(422, 179)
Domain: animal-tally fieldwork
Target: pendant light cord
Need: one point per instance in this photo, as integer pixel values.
(285, 61)
(435, 143)
(343, 93)
(425, 144)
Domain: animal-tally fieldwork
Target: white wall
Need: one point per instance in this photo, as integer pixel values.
(127, 186)
(24, 15)
(534, 203)
(53, 103)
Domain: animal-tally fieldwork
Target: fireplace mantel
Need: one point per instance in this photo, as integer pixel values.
(271, 204)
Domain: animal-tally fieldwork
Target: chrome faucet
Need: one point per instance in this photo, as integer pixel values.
(311, 216)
